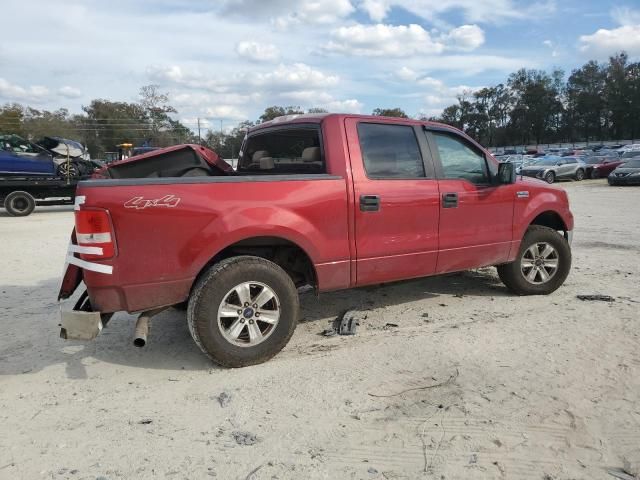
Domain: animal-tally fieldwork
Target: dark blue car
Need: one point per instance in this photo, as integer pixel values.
(21, 157)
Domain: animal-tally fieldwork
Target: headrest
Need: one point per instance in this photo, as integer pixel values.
(267, 163)
(258, 155)
(311, 154)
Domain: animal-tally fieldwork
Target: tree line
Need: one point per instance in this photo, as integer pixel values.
(597, 102)
(103, 124)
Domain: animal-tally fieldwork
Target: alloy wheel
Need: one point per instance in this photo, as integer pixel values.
(539, 263)
(248, 314)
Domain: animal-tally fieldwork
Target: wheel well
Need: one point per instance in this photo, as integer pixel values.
(293, 259)
(550, 219)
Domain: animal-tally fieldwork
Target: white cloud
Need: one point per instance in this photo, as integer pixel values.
(382, 40)
(607, 42)
(15, 93)
(260, 52)
(285, 13)
(465, 38)
(488, 11)
(69, 92)
(406, 74)
(552, 47)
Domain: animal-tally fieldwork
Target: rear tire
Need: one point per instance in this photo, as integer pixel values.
(579, 175)
(550, 177)
(240, 336)
(522, 279)
(19, 204)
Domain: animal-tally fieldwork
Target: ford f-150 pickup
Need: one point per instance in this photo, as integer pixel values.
(332, 201)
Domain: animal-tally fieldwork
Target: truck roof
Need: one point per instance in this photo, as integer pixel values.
(319, 117)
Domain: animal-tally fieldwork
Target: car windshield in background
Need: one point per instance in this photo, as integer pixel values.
(632, 164)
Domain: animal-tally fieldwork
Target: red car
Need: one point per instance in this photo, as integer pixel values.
(333, 201)
(600, 167)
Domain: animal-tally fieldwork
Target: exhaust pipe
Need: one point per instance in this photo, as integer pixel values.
(143, 324)
(142, 330)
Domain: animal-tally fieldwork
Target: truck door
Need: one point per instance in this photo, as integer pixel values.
(396, 201)
(476, 215)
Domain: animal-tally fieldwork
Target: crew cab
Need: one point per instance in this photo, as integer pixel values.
(334, 201)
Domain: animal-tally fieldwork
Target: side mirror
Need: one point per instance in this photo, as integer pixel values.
(506, 173)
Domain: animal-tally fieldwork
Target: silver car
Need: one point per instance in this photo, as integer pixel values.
(552, 168)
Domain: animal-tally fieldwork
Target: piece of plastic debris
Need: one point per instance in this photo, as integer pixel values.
(597, 298)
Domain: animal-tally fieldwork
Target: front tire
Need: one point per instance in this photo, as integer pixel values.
(579, 175)
(550, 177)
(243, 311)
(542, 265)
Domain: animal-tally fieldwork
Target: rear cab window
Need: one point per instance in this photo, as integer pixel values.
(292, 149)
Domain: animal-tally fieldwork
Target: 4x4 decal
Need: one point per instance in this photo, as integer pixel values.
(140, 203)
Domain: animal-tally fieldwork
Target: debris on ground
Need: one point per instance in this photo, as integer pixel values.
(345, 324)
(597, 298)
(621, 474)
(245, 438)
(224, 399)
(145, 421)
(387, 326)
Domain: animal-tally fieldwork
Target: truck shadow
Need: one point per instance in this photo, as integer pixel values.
(30, 341)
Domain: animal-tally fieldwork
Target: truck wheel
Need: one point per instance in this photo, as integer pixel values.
(19, 204)
(542, 265)
(550, 177)
(243, 311)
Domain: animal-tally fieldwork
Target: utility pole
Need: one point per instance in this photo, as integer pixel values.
(199, 138)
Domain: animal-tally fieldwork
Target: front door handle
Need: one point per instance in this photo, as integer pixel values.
(449, 200)
(369, 203)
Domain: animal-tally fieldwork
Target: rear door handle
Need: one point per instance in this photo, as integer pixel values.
(369, 203)
(449, 200)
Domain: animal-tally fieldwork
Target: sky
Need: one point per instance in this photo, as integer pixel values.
(225, 61)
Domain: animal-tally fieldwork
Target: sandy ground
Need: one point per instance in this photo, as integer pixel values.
(538, 387)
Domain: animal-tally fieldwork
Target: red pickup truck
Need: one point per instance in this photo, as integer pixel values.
(333, 201)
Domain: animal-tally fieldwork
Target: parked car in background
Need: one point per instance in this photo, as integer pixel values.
(626, 174)
(552, 168)
(598, 166)
(19, 157)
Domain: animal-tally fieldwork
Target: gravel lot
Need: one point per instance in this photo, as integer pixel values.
(536, 387)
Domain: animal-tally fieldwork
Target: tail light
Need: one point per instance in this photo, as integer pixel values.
(95, 232)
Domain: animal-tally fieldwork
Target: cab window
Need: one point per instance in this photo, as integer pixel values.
(390, 151)
(460, 160)
(282, 151)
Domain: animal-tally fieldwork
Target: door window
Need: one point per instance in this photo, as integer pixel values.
(460, 160)
(390, 151)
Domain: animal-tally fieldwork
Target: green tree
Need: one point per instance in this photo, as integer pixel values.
(276, 111)
(390, 112)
